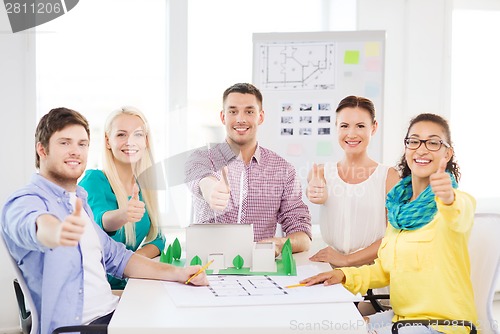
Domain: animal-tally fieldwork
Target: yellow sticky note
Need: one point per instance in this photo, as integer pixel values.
(351, 57)
(372, 49)
(324, 148)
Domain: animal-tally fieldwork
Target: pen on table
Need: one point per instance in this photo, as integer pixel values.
(202, 269)
(295, 285)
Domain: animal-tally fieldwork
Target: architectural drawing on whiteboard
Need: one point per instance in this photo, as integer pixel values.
(297, 66)
(233, 286)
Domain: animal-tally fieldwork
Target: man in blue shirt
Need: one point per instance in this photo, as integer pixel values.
(49, 230)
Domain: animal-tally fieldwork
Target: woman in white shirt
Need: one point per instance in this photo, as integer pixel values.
(352, 191)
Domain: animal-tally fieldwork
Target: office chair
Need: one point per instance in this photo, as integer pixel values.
(484, 252)
(374, 300)
(29, 319)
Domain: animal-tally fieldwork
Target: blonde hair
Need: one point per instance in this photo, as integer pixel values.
(144, 173)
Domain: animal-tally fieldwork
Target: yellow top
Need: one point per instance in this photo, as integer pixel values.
(428, 269)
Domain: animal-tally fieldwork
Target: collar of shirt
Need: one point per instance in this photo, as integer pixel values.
(52, 188)
(229, 155)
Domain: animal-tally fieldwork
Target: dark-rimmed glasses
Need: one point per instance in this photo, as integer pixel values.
(431, 144)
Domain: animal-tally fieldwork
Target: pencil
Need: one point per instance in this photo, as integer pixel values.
(295, 285)
(202, 269)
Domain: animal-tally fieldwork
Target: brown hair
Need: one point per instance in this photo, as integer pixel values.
(56, 120)
(357, 101)
(243, 88)
(452, 165)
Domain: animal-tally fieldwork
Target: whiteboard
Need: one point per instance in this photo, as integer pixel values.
(303, 77)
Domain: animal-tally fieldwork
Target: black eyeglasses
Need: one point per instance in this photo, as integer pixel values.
(431, 144)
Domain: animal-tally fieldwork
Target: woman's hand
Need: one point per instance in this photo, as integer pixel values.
(135, 208)
(316, 187)
(441, 184)
(330, 255)
(327, 278)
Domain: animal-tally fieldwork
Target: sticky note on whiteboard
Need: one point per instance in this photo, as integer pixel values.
(373, 64)
(295, 150)
(351, 57)
(372, 49)
(372, 90)
(324, 148)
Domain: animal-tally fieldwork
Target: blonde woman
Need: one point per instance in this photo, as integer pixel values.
(122, 195)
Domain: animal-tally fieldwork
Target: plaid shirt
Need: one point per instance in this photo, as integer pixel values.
(274, 194)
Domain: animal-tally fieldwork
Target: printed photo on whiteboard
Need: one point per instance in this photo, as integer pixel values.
(286, 119)
(287, 131)
(287, 107)
(305, 131)
(323, 119)
(323, 131)
(324, 107)
(305, 119)
(306, 107)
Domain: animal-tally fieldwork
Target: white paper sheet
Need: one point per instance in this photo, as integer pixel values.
(255, 290)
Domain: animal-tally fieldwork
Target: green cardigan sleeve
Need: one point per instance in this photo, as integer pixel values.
(101, 198)
(100, 195)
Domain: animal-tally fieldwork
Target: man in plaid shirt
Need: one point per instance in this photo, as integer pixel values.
(240, 182)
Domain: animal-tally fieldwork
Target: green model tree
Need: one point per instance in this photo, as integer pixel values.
(167, 256)
(238, 262)
(176, 250)
(286, 257)
(196, 261)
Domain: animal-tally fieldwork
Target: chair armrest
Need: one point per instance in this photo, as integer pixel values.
(24, 314)
(373, 299)
(20, 300)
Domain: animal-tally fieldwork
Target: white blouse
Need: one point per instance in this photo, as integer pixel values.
(353, 217)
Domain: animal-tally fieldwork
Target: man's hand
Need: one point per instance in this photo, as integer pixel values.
(316, 187)
(73, 226)
(187, 272)
(142, 267)
(53, 233)
(135, 208)
(278, 244)
(441, 184)
(216, 192)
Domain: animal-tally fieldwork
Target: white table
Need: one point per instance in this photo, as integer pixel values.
(145, 307)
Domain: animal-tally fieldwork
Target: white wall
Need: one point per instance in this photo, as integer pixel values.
(17, 116)
(417, 74)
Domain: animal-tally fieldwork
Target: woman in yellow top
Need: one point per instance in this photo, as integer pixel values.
(424, 254)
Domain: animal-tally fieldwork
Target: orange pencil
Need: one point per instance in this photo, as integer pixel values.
(295, 285)
(199, 271)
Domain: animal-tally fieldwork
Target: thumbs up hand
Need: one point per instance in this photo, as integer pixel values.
(316, 188)
(440, 183)
(72, 228)
(216, 192)
(135, 208)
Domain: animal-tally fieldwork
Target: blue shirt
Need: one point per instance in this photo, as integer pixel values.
(53, 275)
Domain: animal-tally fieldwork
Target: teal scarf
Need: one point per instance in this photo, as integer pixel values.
(406, 215)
